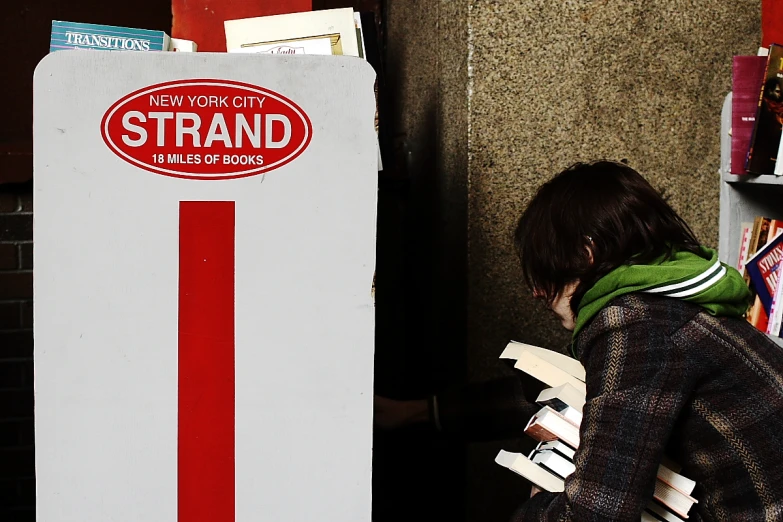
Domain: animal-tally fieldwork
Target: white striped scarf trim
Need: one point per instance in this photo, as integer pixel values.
(712, 274)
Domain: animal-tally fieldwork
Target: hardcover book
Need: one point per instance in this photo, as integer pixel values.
(561, 397)
(332, 31)
(746, 79)
(765, 140)
(776, 311)
(763, 268)
(522, 465)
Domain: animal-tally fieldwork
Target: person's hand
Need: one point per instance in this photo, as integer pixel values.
(391, 414)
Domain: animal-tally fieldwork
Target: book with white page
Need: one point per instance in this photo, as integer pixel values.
(547, 425)
(522, 465)
(546, 481)
(555, 463)
(676, 480)
(557, 446)
(560, 397)
(662, 513)
(568, 364)
(572, 415)
(295, 33)
(546, 372)
(677, 501)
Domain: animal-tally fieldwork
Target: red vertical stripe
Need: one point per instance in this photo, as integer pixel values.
(205, 452)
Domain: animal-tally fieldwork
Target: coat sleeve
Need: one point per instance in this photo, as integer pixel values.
(490, 410)
(637, 383)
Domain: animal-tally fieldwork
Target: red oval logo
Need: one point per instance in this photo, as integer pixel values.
(206, 129)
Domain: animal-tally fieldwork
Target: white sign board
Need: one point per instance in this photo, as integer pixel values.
(204, 254)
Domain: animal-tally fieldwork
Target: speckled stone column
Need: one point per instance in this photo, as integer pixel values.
(533, 86)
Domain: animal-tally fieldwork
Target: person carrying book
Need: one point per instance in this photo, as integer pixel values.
(671, 365)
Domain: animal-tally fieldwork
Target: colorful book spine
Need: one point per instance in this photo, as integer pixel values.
(75, 35)
(746, 79)
(764, 269)
(765, 141)
(776, 311)
(747, 230)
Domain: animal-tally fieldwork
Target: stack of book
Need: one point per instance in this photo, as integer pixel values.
(760, 253)
(556, 428)
(325, 32)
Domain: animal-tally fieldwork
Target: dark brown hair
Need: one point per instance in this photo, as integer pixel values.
(605, 206)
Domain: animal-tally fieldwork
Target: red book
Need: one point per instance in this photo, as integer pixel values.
(202, 20)
(746, 79)
(771, 22)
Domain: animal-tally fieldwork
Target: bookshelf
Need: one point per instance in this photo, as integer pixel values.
(742, 198)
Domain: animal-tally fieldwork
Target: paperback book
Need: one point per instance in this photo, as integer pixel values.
(75, 35)
(764, 268)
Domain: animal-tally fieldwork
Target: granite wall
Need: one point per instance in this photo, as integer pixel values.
(494, 97)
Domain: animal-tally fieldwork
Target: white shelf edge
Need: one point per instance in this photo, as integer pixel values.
(752, 179)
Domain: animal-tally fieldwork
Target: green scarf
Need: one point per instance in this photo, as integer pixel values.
(699, 279)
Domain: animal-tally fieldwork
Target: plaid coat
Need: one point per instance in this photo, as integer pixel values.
(663, 376)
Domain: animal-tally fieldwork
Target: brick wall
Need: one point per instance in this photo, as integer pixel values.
(17, 465)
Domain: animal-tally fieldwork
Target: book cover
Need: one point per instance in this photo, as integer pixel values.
(561, 397)
(776, 311)
(555, 463)
(558, 447)
(660, 513)
(759, 234)
(76, 35)
(746, 79)
(758, 238)
(763, 268)
(546, 372)
(548, 425)
(525, 467)
(332, 31)
(183, 46)
(566, 363)
(769, 116)
(572, 415)
(202, 20)
(539, 432)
